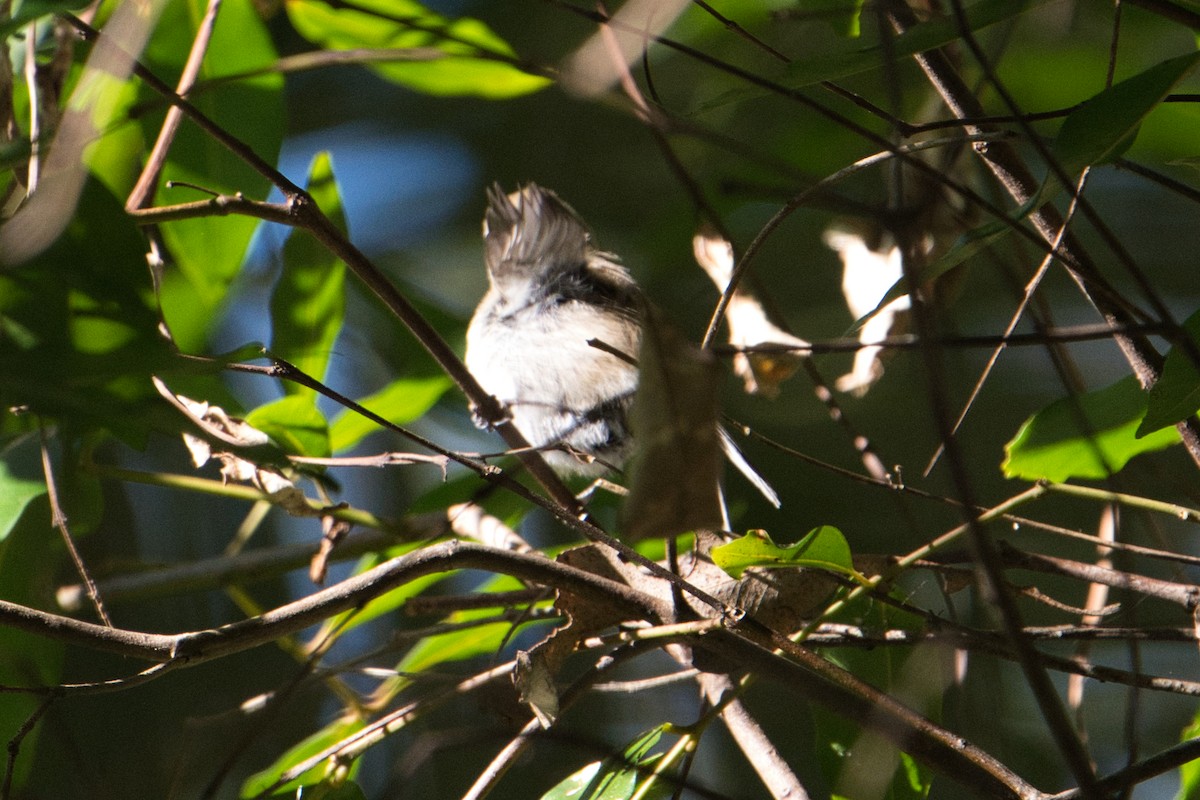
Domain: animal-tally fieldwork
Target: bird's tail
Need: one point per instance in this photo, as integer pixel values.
(736, 458)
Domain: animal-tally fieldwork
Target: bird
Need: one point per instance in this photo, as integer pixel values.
(556, 336)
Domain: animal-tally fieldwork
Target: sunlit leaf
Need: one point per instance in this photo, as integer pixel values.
(21, 482)
(400, 402)
(309, 301)
(324, 738)
(1104, 127)
(968, 245)
(844, 16)
(210, 250)
(385, 603)
(295, 424)
(617, 777)
(482, 640)
(446, 57)
(1176, 394)
(1189, 773)
(1056, 444)
(821, 548)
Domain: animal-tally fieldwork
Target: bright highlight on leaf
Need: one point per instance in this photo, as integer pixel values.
(1104, 127)
(1176, 395)
(1093, 440)
(616, 777)
(17, 490)
(444, 57)
(318, 742)
(822, 548)
(400, 402)
(309, 301)
(295, 423)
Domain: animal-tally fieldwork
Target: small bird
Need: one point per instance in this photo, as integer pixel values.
(556, 337)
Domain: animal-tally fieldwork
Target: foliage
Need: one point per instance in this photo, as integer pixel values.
(163, 215)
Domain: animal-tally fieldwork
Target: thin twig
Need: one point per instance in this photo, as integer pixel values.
(59, 519)
(143, 190)
(246, 567)
(14, 744)
(359, 741)
(196, 647)
(1030, 288)
(773, 770)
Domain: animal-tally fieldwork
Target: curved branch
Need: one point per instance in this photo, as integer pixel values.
(196, 647)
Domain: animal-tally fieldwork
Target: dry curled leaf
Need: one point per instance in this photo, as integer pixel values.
(869, 270)
(217, 425)
(534, 680)
(676, 467)
(749, 325)
(470, 521)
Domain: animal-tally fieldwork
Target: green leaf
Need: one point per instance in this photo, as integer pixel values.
(482, 640)
(616, 777)
(30, 10)
(508, 507)
(844, 16)
(474, 641)
(78, 328)
(295, 424)
(1189, 773)
(1176, 395)
(822, 548)
(1104, 127)
(447, 57)
(29, 569)
(21, 482)
(970, 243)
(385, 603)
(400, 402)
(309, 301)
(210, 250)
(923, 36)
(1092, 436)
(328, 736)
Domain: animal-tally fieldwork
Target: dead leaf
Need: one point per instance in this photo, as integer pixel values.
(749, 325)
(869, 270)
(218, 425)
(535, 684)
(676, 466)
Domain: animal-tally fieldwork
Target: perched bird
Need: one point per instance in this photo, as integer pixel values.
(556, 337)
